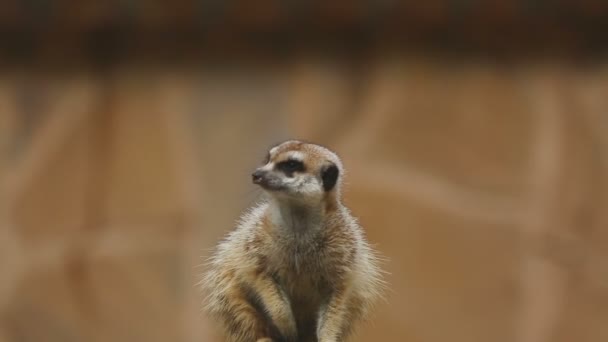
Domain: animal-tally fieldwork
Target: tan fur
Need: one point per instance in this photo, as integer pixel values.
(298, 267)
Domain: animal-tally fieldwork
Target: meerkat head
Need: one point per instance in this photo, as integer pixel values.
(300, 171)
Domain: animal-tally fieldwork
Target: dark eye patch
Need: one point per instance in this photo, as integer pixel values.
(290, 166)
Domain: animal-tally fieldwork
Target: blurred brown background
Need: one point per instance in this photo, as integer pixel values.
(475, 134)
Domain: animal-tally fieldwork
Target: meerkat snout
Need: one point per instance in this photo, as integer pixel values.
(258, 176)
(268, 180)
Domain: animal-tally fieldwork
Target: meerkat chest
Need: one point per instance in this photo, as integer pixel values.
(302, 259)
(303, 270)
(304, 267)
(305, 284)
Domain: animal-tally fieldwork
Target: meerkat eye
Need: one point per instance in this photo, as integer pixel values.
(290, 166)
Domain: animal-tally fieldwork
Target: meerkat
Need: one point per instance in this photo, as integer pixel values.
(298, 267)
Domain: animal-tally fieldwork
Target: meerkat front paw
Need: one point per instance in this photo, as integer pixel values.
(265, 339)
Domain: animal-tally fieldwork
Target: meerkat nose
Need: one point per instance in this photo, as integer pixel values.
(258, 176)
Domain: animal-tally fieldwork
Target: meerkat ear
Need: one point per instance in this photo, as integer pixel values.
(329, 175)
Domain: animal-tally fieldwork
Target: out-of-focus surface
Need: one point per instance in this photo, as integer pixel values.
(482, 177)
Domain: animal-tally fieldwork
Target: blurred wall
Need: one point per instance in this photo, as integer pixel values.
(483, 184)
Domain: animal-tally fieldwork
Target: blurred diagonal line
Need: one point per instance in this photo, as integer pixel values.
(115, 242)
(46, 143)
(177, 108)
(594, 100)
(125, 240)
(446, 196)
(181, 142)
(543, 282)
(378, 107)
(8, 121)
(11, 262)
(11, 251)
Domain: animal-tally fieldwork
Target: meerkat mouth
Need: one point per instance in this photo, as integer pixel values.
(271, 187)
(266, 182)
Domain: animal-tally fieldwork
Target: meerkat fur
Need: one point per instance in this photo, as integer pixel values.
(298, 267)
